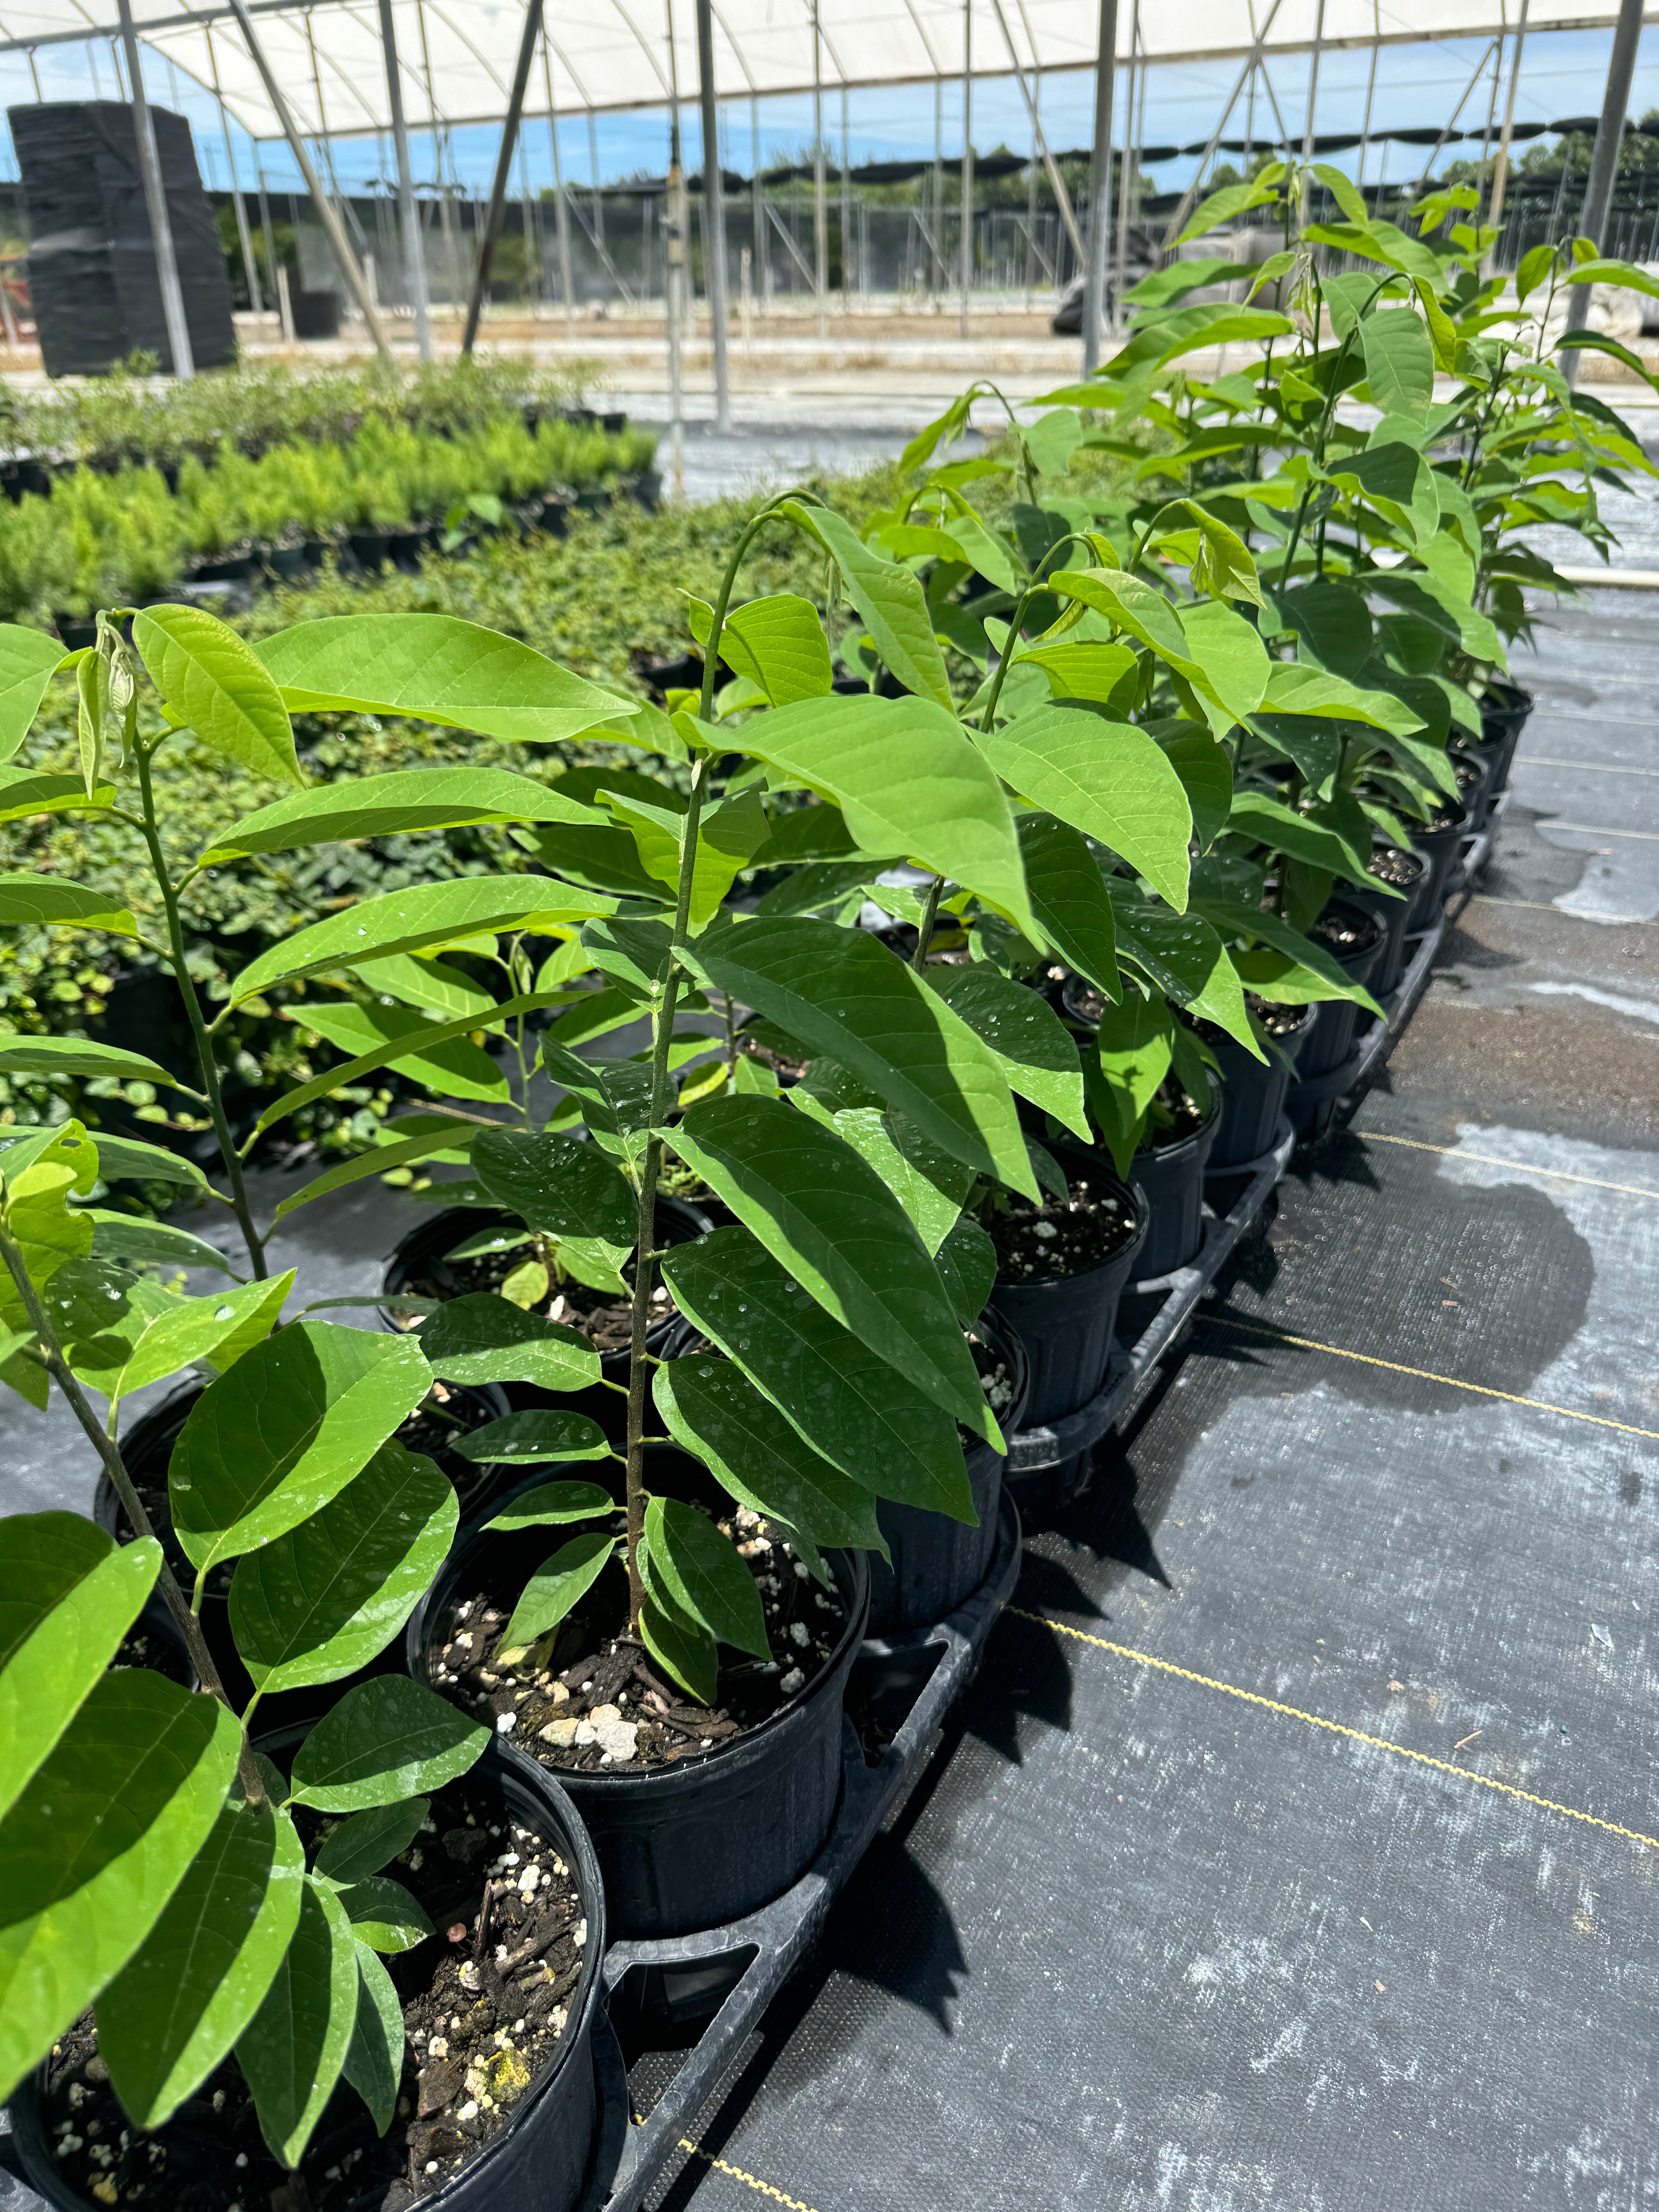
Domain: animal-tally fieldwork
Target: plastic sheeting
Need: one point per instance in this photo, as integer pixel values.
(456, 56)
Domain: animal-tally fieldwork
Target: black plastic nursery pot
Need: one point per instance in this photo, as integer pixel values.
(1172, 1178)
(147, 1449)
(1331, 1039)
(937, 1562)
(1067, 1324)
(1406, 871)
(1504, 711)
(1440, 842)
(705, 1840)
(1253, 1091)
(546, 2157)
(1473, 773)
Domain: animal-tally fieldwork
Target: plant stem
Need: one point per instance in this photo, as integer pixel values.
(204, 1052)
(925, 937)
(131, 1504)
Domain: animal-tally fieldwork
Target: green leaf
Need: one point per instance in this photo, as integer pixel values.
(1399, 361)
(438, 669)
(210, 681)
(429, 983)
(1088, 668)
(387, 1739)
(155, 1338)
(1219, 560)
(484, 1338)
(553, 1504)
(192, 1988)
(322, 1601)
(558, 1584)
(96, 1845)
(431, 1054)
(728, 836)
(556, 1184)
(1070, 899)
(907, 780)
(439, 1137)
(1283, 830)
(861, 1414)
(1332, 623)
(384, 1914)
(1183, 957)
(778, 643)
(1032, 1045)
(1319, 976)
(27, 900)
(704, 1577)
(434, 914)
(829, 1220)
(398, 803)
(374, 2058)
(26, 792)
(1298, 690)
(68, 1596)
(293, 2050)
(1231, 200)
(1205, 771)
(1596, 270)
(967, 1268)
(1107, 779)
(123, 1157)
(846, 995)
(369, 1841)
(1432, 601)
(296, 1418)
(928, 1183)
(528, 1439)
(890, 598)
(151, 1243)
(1135, 1043)
(686, 1653)
(28, 661)
(713, 1411)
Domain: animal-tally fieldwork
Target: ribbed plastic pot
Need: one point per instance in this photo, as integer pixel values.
(1330, 1041)
(1172, 1177)
(1068, 1326)
(1504, 711)
(1440, 848)
(542, 2159)
(1253, 1095)
(421, 1254)
(936, 1562)
(1394, 914)
(1473, 773)
(695, 1844)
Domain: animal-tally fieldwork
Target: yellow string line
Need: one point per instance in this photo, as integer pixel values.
(1491, 1160)
(1423, 1374)
(749, 2180)
(1336, 1727)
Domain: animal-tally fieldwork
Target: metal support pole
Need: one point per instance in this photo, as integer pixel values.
(561, 199)
(414, 250)
(936, 281)
(846, 209)
(1501, 167)
(1604, 161)
(1313, 101)
(1253, 62)
(532, 31)
(820, 206)
(320, 199)
(1056, 182)
(676, 222)
(714, 216)
(1371, 91)
(967, 159)
(155, 200)
(1126, 176)
(250, 266)
(1100, 188)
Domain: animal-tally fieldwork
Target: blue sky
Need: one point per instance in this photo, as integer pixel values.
(1416, 85)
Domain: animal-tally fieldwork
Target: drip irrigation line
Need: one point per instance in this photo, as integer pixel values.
(749, 2180)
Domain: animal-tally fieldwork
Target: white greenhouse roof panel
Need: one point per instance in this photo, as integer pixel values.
(456, 57)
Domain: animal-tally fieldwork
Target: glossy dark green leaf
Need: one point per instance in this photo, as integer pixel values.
(374, 2062)
(1205, 771)
(968, 1266)
(1070, 900)
(556, 1184)
(684, 1650)
(929, 1185)
(704, 1577)
(552, 1505)
(1033, 1046)
(484, 1339)
(200, 1975)
(369, 1841)
(95, 1845)
(293, 2050)
(152, 1244)
(714, 1412)
(291, 1424)
(325, 1598)
(529, 1438)
(557, 1584)
(396, 803)
(1109, 780)
(385, 1740)
(829, 1219)
(1283, 830)
(860, 1413)
(843, 993)
(384, 1914)
(68, 1596)
(1332, 621)
(1185, 958)
(214, 683)
(26, 899)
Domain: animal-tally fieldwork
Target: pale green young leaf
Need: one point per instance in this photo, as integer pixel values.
(890, 598)
(1240, 918)
(1231, 201)
(186, 1996)
(777, 642)
(1399, 361)
(214, 683)
(1135, 1043)
(24, 792)
(928, 1184)
(395, 803)
(1082, 669)
(293, 2050)
(387, 1739)
(560, 1583)
(151, 1243)
(438, 669)
(419, 982)
(159, 1338)
(1294, 690)
(431, 1054)
(30, 659)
